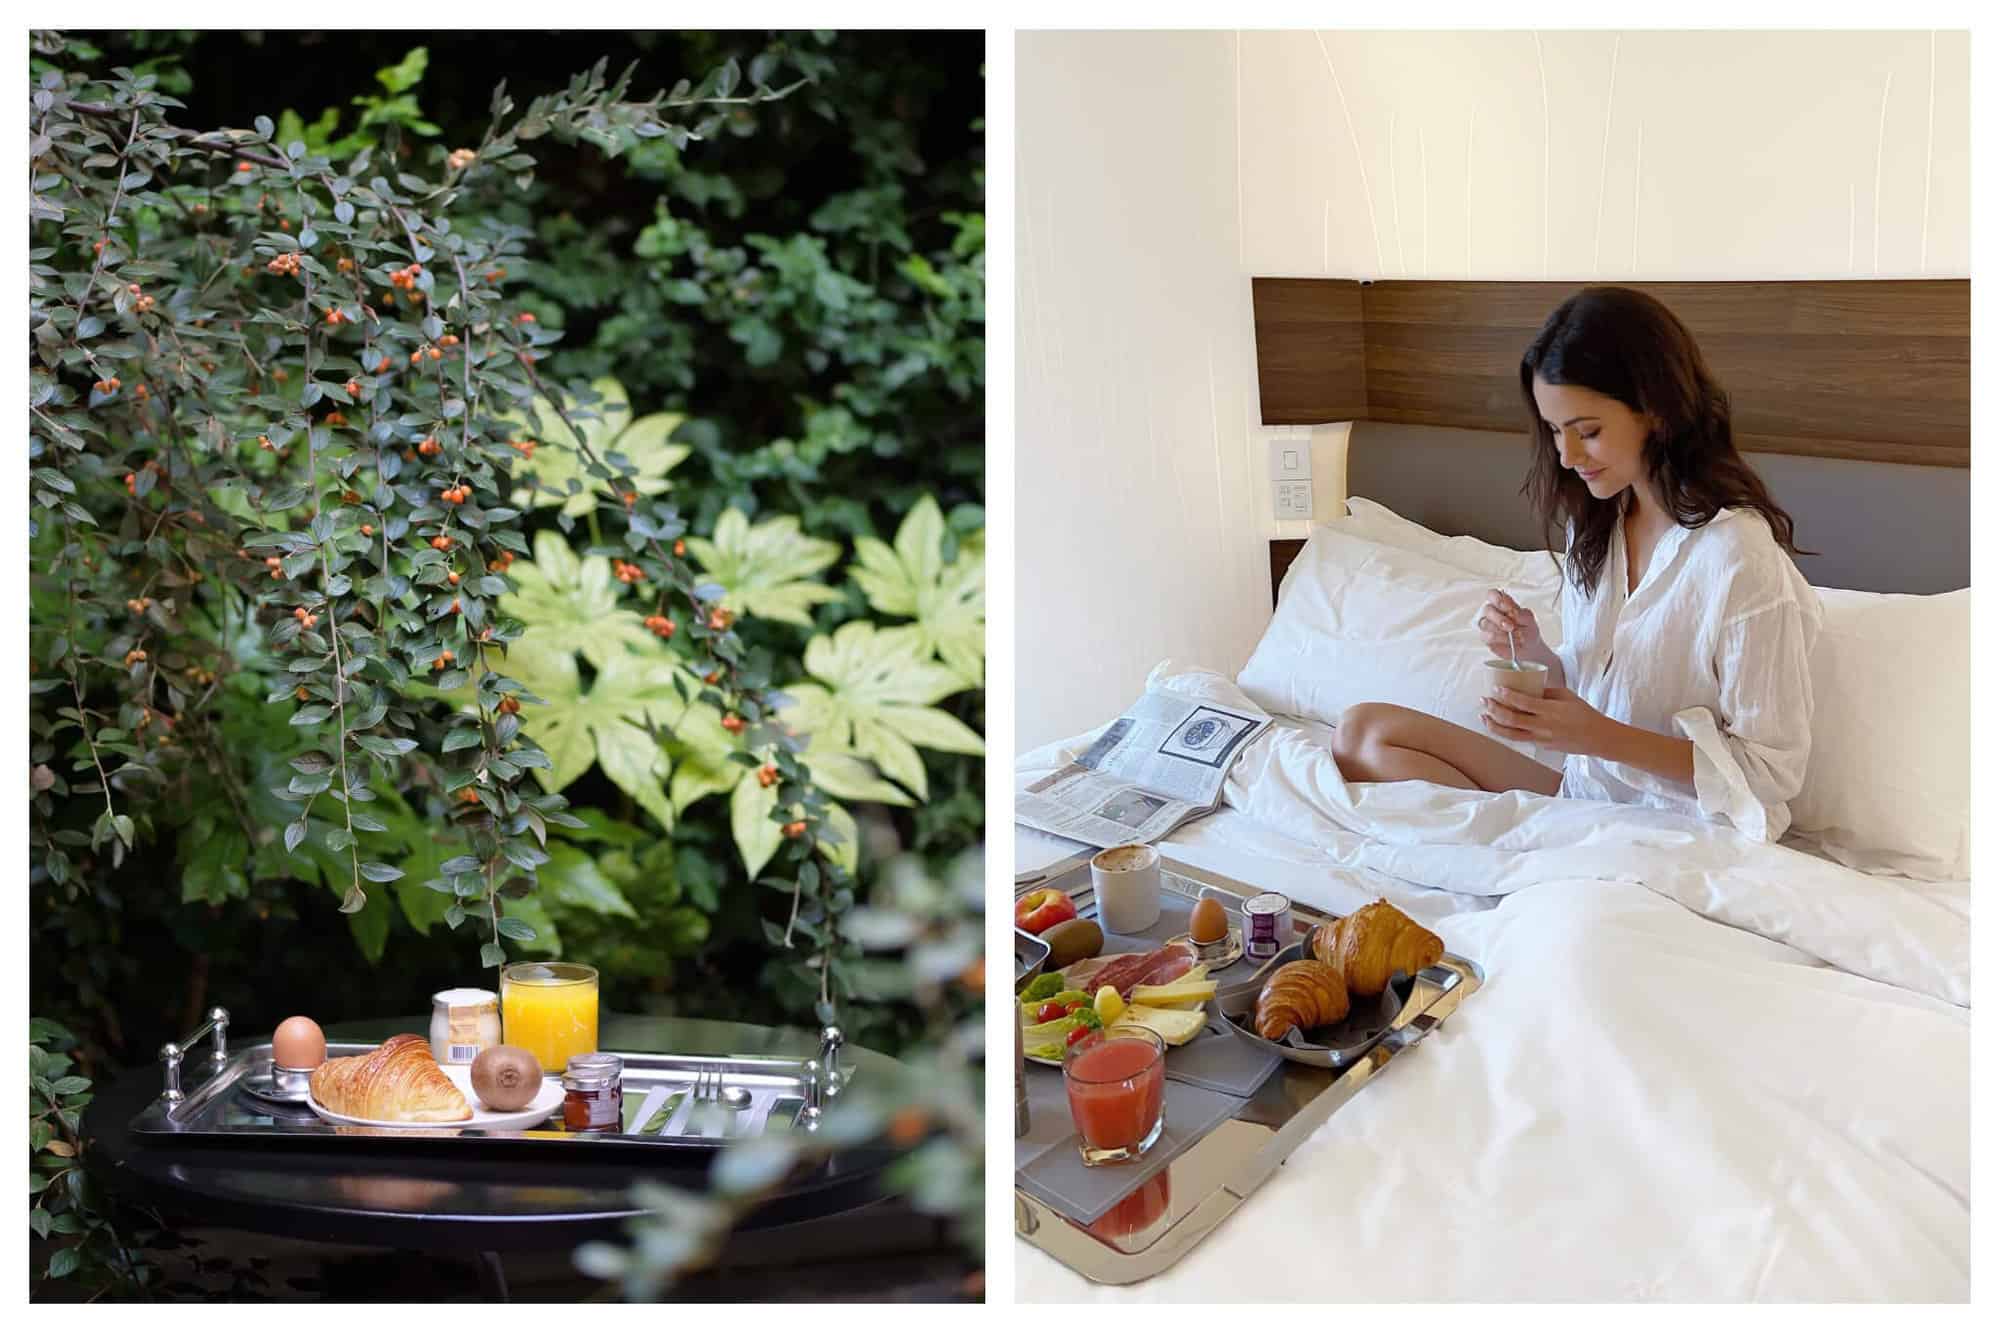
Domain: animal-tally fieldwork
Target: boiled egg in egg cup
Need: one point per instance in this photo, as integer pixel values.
(297, 1048)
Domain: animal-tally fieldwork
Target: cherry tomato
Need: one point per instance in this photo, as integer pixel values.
(1050, 1012)
(1072, 1007)
(1076, 1036)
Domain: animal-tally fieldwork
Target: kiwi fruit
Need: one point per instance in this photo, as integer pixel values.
(506, 1078)
(1070, 941)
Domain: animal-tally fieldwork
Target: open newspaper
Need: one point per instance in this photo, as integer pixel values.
(1152, 770)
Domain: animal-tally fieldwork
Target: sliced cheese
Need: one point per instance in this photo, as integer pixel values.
(1175, 1026)
(1178, 993)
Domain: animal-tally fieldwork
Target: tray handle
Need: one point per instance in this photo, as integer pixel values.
(215, 1027)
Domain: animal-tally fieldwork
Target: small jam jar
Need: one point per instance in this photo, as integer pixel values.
(593, 1092)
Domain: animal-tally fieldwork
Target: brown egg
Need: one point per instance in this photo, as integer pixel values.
(1208, 922)
(298, 1044)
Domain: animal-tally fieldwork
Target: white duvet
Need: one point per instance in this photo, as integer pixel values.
(1700, 1068)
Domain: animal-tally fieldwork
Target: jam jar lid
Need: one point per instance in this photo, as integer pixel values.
(593, 1070)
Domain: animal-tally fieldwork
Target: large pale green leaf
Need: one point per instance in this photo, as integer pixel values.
(557, 460)
(947, 601)
(605, 723)
(872, 700)
(571, 603)
(758, 836)
(766, 569)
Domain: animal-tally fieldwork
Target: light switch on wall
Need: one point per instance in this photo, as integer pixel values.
(1291, 474)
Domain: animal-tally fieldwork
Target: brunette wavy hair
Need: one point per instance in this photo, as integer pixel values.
(1626, 345)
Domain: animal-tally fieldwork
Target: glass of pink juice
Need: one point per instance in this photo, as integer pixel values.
(1117, 1088)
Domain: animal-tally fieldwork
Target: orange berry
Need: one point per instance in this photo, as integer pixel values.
(367, 529)
(429, 447)
(767, 775)
(435, 354)
(713, 678)
(300, 692)
(719, 619)
(509, 704)
(525, 317)
(354, 388)
(468, 795)
(732, 723)
(454, 608)
(796, 829)
(680, 548)
(243, 166)
(452, 578)
(631, 498)
(441, 543)
(908, 1125)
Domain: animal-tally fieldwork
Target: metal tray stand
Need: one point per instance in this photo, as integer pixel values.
(1162, 1220)
(230, 1102)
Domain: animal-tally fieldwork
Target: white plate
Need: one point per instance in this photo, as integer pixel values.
(547, 1102)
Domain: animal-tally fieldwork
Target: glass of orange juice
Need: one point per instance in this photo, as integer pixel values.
(550, 1010)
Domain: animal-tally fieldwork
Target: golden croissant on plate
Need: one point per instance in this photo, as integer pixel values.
(1373, 945)
(398, 1080)
(1305, 995)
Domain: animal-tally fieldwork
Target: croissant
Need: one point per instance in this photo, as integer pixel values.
(398, 1080)
(1303, 995)
(1373, 945)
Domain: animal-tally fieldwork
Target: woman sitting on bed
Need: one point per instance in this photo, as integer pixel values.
(1682, 679)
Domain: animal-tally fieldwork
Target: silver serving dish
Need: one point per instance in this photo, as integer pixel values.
(233, 1100)
(1336, 1045)
(1165, 1219)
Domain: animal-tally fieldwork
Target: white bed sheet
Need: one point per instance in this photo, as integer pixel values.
(1642, 1102)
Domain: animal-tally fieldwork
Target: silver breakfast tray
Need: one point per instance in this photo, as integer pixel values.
(1171, 1213)
(231, 1104)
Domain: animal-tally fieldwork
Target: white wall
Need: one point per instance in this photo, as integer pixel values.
(1158, 172)
(1132, 373)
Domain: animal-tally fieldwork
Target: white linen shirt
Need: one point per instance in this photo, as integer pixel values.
(1713, 645)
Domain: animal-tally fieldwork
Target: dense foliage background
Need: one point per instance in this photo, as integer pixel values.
(791, 312)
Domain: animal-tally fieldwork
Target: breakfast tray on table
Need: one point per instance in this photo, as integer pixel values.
(1125, 1223)
(669, 1102)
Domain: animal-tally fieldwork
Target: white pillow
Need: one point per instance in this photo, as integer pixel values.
(1505, 566)
(1361, 620)
(1889, 785)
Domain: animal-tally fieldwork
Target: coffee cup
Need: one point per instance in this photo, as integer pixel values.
(1527, 677)
(1127, 883)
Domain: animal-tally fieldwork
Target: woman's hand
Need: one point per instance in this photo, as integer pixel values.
(1498, 615)
(1558, 721)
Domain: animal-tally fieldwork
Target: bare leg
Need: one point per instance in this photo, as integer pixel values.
(1385, 743)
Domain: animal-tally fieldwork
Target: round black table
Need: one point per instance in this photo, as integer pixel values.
(467, 1203)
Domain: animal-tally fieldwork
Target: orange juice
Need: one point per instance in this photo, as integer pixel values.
(550, 1010)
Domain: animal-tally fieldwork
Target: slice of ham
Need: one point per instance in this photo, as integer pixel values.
(1123, 971)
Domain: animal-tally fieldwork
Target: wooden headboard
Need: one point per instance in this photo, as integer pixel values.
(1855, 396)
(1877, 370)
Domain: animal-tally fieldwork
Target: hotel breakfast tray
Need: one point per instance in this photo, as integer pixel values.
(225, 1105)
(1171, 1212)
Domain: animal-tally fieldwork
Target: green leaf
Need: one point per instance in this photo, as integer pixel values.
(571, 604)
(572, 879)
(491, 955)
(757, 835)
(601, 725)
(948, 601)
(64, 1261)
(514, 928)
(557, 460)
(766, 569)
(871, 704)
(378, 873)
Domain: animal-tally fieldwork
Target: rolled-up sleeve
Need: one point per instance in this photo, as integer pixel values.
(1750, 753)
